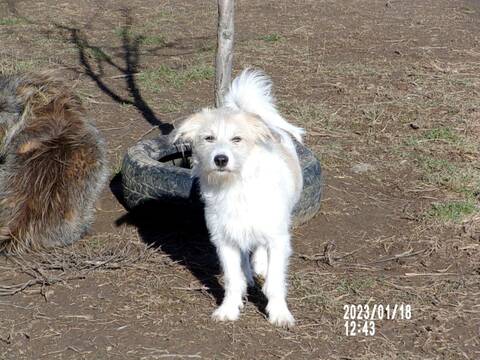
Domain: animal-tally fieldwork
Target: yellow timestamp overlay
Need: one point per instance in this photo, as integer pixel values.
(361, 319)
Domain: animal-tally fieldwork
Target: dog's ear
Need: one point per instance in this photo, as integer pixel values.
(187, 129)
(261, 131)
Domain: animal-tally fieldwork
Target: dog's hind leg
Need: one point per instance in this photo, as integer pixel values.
(260, 261)
(247, 268)
(235, 282)
(275, 287)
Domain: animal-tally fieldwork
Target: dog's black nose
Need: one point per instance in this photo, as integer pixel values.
(220, 160)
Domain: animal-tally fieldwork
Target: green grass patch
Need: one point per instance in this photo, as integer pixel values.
(153, 40)
(453, 177)
(443, 142)
(98, 54)
(271, 38)
(122, 31)
(442, 134)
(199, 72)
(126, 105)
(411, 141)
(452, 211)
(155, 79)
(128, 32)
(139, 35)
(12, 21)
(169, 107)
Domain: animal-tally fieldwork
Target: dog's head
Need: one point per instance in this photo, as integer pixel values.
(222, 140)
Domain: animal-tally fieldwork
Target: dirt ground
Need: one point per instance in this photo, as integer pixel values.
(389, 94)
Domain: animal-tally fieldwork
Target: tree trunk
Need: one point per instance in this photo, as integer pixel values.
(225, 39)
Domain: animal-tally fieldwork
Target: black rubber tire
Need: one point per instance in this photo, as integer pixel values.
(146, 179)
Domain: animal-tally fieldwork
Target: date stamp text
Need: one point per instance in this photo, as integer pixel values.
(361, 319)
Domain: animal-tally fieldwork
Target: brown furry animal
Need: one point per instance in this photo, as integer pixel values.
(52, 164)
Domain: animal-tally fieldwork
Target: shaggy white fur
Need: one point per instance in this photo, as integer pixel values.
(250, 180)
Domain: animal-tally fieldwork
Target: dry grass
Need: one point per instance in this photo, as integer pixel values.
(403, 99)
(107, 252)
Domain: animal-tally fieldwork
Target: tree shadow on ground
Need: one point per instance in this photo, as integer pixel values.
(94, 69)
(178, 229)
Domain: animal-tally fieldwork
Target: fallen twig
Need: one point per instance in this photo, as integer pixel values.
(398, 256)
(14, 289)
(434, 274)
(191, 288)
(327, 256)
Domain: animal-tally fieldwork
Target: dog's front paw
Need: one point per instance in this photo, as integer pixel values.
(279, 315)
(226, 312)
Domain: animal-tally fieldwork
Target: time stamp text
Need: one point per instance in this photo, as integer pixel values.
(361, 319)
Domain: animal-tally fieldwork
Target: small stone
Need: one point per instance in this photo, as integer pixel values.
(362, 168)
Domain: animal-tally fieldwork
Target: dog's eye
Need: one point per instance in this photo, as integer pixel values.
(209, 138)
(236, 139)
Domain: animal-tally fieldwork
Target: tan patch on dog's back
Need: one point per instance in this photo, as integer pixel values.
(261, 129)
(257, 126)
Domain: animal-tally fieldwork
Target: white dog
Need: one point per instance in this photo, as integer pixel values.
(250, 180)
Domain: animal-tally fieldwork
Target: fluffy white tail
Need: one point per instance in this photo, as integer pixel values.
(251, 92)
